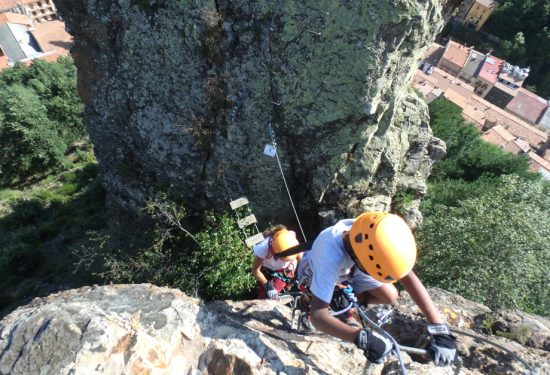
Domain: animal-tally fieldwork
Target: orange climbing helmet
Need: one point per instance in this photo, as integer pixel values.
(382, 245)
(283, 240)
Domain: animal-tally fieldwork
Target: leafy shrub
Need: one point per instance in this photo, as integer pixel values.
(213, 263)
(224, 260)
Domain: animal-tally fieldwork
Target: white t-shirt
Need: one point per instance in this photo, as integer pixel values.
(261, 250)
(328, 263)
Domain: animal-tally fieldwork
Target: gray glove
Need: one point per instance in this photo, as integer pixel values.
(374, 346)
(271, 291)
(442, 346)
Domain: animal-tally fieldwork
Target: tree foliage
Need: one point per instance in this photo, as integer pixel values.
(524, 27)
(40, 116)
(486, 220)
(492, 248)
(468, 156)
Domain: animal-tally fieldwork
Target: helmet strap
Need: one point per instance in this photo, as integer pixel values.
(349, 250)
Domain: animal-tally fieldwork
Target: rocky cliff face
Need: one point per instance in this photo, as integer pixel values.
(142, 329)
(180, 93)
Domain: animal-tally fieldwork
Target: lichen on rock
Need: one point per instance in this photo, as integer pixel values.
(134, 329)
(181, 93)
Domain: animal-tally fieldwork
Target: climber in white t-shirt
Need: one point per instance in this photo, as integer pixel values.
(273, 273)
(372, 251)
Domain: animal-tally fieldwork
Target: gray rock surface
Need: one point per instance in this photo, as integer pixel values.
(180, 93)
(143, 329)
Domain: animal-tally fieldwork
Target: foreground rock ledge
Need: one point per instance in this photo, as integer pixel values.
(143, 329)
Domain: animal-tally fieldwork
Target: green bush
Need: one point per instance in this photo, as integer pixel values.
(213, 263)
(223, 260)
(492, 248)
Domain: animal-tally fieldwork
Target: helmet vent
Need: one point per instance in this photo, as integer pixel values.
(366, 236)
(389, 278)
(378, 266)
(371, 247)
(358, 238)
(379, 273)
(371, 257)
(372, 225)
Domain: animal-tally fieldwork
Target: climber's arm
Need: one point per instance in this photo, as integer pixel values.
(323, 321)
(420, 296)
(257, 272)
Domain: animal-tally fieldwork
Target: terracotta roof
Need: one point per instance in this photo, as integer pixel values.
(537, 162)
(491, 69)
(536, 138)
(528, 105)
(499, 136)
(8, 4)
(15, 18)
(456, 53)
(503, 133)
(493, 137)
(513, 148)
(476, 109)
(434, 54)
(51, 36)
(456, 97)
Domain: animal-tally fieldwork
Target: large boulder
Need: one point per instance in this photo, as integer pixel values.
(143, 329)
(180, 94)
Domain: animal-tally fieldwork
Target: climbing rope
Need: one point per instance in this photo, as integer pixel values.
(274, 143)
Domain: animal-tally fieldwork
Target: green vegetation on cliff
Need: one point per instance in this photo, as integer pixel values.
(212, 263)
(40, 118)
(50, 193)
(486, 221)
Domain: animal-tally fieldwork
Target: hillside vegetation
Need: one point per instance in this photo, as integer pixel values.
(50, 194)
(487, 221)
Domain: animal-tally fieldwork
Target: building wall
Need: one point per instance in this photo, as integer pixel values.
(482, 87)
(449, 66)
(464, 8)
(545, 119)
(478, 15)
(41, 10)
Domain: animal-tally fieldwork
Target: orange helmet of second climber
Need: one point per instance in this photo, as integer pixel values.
(383, 246)
(284, 240)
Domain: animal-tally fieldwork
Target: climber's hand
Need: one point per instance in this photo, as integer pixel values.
(373, 345)
(271, 291)
(442, 346)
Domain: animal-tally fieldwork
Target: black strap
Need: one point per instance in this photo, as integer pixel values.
(304, 246)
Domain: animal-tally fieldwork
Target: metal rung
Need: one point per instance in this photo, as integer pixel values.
(250, 219)
(238, 203)
(257, 238)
